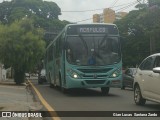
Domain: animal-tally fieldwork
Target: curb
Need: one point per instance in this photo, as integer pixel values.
(37, 107)
(12, 84)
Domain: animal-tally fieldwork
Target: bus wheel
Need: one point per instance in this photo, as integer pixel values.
(64, 90)
(50, 84)
(105, 90)
(123, 88)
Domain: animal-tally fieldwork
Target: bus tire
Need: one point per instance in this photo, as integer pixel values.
(50, 84)
(123, 88)
(105, 90)
(64, 90)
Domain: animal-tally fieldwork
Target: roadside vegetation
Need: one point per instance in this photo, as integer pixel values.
(140, 33)
(23, 26)
(23, 38)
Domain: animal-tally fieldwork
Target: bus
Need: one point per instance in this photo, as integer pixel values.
(85, 56)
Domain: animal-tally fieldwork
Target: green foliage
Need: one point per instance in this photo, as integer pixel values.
(154, 2)
(21, 46)
(137, 29)
(43, 13)
(21, 34)
(17, 9)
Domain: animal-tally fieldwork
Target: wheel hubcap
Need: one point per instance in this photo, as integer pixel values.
(136, 96)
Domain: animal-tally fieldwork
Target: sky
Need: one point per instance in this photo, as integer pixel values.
(90, 7)
(96, 6)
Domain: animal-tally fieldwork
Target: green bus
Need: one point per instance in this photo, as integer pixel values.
(85, 56)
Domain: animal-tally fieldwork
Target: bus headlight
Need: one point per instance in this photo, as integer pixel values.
(115, 73)
(73, 74)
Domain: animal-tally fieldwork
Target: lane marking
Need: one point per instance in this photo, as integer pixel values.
(44, 102)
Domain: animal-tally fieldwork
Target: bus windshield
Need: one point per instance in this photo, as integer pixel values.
(93, 50)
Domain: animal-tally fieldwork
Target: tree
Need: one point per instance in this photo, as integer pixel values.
(21, 47)
(17, 9)
(45, 15)
(135, 42)
(139, 29)
(154, 2)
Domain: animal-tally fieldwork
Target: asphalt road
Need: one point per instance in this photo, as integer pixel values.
(93, 100)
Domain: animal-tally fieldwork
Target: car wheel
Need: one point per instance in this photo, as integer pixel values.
(105, 90)
(40, 81)
(139, 100)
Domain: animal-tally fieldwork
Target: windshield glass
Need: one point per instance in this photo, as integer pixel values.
(92, 50)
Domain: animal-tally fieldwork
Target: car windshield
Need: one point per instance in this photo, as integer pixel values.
(92, 50)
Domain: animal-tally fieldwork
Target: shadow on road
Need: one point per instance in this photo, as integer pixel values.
(152, 106)
(78, 92)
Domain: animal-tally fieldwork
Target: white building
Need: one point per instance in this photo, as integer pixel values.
(2, 73)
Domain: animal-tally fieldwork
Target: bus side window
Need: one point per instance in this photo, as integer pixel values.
(50, 54)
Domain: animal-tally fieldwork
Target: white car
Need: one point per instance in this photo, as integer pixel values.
(147, 80)
(42, 76)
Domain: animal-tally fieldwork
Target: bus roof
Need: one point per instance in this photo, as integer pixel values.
(91, 24)
(91, 28)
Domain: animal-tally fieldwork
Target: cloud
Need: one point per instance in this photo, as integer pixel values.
(80, 5)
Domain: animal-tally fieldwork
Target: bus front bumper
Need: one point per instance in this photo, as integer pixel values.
(92, 83)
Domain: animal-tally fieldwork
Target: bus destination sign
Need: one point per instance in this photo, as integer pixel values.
(92, 29)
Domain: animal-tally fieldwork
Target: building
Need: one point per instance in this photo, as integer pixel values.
(108, 16)
(120, 15)
(2, 73)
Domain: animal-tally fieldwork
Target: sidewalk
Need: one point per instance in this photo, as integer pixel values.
(17, 98)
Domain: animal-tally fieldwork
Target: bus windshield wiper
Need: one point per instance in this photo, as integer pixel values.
(84, 42)
(103, 39)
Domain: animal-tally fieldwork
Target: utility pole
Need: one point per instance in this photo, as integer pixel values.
(152, 8)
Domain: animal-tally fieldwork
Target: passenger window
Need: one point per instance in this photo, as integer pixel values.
(147, 64)
(157, 62)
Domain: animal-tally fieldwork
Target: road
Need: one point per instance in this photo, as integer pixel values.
(93, 100)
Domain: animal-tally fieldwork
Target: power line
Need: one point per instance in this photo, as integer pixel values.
(114, 3)
(99, 8)
(84, 20)
(123, 8)
(127, 6)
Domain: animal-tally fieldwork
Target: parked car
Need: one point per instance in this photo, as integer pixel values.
(147, 80)
(27, 75)
(42, 76)
(128, 78)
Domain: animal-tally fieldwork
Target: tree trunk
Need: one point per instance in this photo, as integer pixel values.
(19, 76)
